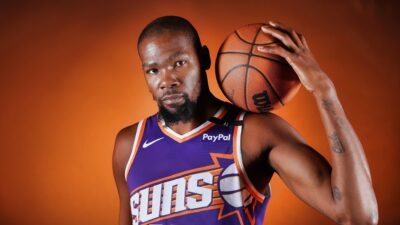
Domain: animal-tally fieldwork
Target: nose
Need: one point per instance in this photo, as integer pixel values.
(169, 79)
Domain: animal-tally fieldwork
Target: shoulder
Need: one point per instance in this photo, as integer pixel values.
(267, 130)
(123, 147)
(125, 135)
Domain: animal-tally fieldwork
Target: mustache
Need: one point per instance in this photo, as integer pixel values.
(171, 92)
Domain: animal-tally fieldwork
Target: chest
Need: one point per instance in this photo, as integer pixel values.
(162, 156)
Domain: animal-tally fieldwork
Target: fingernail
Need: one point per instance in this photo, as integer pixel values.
(272, 23)
(264, 28)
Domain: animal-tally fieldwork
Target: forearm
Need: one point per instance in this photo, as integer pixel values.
(352, 192)
(350, 180)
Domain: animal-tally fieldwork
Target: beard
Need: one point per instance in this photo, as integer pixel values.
(182, 113)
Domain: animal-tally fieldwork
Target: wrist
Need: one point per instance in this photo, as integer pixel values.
(324, 89)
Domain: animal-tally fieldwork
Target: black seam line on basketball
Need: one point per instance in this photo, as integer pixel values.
(230, 70)
(269, 83)
(255, 55)
(247, 67)
(242, 39)
(230, 192)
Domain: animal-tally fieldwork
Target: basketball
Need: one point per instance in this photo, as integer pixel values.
(253, 80)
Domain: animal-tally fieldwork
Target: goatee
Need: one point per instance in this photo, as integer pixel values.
(183, 113)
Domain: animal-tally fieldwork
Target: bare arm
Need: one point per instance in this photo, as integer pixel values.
(122, 151)
(342, 191)
(351, 180)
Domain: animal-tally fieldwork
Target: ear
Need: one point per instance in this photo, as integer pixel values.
(205, 58)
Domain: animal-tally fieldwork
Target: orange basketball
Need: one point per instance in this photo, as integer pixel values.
(250, 79)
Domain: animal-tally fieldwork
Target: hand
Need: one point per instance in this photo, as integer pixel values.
(298, 55)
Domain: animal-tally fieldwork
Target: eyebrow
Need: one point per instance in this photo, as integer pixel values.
(176, 55)
(171, 57)
(149, 64)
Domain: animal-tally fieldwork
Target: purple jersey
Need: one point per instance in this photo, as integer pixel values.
(196, 178)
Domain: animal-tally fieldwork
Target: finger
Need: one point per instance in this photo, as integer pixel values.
(294, 35)
(296, 39)
(303, 40)
(279, 26)
(276, 50)
(280, 35)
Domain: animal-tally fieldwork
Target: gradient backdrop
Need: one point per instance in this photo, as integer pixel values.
(70, 79)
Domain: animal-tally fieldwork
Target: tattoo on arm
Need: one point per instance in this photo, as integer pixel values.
(336, 143)
(337, 196)
(327, 105)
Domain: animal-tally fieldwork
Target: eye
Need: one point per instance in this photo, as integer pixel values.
(152, 71)
(180, 63)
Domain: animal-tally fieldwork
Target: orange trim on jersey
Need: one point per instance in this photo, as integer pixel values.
(215, 196)
(249, 186)
(135, 147)
(180, 139)
(217, 201)
(251, 218)
(220, 216)
(215, 192)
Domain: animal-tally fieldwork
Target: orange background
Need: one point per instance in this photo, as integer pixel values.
(70, 78)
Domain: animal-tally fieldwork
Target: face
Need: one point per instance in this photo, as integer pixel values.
(172, 70)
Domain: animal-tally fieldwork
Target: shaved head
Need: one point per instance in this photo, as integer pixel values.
(165, 24)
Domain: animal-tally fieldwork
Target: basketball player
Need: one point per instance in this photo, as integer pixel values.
(201, 161)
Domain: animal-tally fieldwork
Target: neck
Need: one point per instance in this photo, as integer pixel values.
(207, 106)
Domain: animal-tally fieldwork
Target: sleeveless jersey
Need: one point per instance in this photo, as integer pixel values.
(196, 178)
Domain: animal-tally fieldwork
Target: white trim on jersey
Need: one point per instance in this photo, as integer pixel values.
(134, 147)
(203, 125)
(240, 161)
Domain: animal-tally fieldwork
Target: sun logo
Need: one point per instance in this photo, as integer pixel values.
(232, 189)
(216, 186)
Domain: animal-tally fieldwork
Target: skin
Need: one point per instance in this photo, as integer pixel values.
(342, 191)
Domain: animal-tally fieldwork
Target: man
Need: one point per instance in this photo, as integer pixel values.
(202, 161)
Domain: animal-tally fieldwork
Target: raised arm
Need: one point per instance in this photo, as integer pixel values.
(342, 191)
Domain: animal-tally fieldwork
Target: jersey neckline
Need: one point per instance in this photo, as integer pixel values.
(194, 132)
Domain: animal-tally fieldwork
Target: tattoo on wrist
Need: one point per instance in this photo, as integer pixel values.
(336, 143)
(337, 196)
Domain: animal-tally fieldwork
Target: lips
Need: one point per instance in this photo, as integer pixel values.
(171, 96)
(173, 99)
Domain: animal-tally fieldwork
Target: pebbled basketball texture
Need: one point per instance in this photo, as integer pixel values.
(253, 80)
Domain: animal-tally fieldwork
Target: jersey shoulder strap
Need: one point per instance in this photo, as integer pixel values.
(229, 119)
